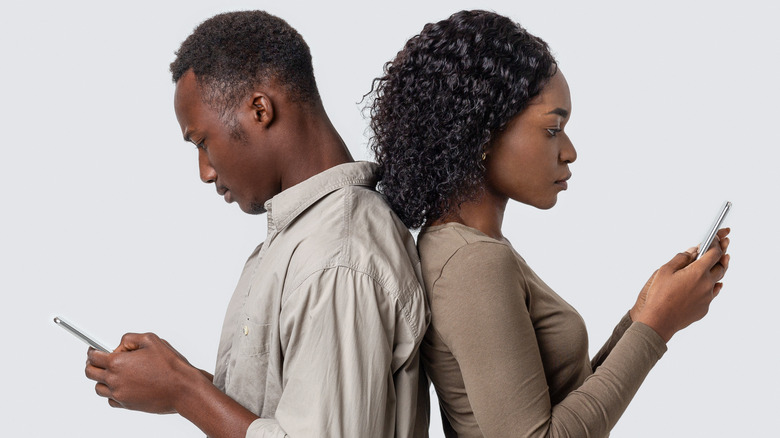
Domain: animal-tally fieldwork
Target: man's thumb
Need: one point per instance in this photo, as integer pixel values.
(682, 259)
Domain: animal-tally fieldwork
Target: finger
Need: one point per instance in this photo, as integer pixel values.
(724, 243)
(711, 256)
(724, 261)
(681, 260)
(103, 390)
(95, 373)
(97, 358)
(719, 270)
(723, 232)
(717, 273)
(129, 342)
(716, 289)
(135, 341)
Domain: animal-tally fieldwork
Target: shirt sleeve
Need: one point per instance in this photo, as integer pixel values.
(342, 340)
(480, 310)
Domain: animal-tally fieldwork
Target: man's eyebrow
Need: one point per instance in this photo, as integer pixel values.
(559, 111)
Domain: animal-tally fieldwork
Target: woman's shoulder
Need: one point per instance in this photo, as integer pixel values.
(442, 241)
(458, 248)
(456, 234)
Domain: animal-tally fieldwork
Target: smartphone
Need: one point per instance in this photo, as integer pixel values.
(94, 343)
(705, 244)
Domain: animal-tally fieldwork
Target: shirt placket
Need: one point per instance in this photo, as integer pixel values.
(244, 329)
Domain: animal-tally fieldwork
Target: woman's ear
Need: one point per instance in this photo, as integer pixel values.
(487, 149)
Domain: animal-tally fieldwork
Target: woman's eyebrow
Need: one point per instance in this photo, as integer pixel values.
(559, 111)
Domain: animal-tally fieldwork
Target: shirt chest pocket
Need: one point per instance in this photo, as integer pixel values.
(253, 339)
(248, 375)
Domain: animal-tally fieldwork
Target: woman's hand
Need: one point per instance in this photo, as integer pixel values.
(680, 292)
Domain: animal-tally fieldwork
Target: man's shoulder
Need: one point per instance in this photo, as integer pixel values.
(355, 228)
(375, 238)
(353, 233)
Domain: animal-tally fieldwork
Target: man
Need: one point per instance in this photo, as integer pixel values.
(321, 336)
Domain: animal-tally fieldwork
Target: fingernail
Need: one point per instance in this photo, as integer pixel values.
(693, 249)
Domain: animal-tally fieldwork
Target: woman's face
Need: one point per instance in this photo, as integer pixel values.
(529, 160)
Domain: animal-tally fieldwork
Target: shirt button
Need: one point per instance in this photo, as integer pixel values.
(246, 330)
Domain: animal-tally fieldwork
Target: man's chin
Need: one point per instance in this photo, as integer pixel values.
(252, 208)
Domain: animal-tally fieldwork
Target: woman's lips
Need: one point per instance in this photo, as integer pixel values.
(563, 182)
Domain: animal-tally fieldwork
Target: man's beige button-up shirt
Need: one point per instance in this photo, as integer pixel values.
(321, 335)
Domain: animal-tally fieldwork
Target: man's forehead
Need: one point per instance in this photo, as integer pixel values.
(186, 98)
(187, 85)
(188, 95)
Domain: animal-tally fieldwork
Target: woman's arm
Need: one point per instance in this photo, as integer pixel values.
(635, 311)
(480, 310)
(617, 333)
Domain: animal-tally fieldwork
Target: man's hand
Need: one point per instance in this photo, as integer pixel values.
(144, 373)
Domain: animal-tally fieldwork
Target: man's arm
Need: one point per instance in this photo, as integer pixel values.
(339, 333)
(145, 373)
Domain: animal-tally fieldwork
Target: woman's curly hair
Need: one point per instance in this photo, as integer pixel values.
(439, 103)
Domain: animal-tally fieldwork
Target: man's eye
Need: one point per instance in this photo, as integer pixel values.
(553, 131)
(201, 145)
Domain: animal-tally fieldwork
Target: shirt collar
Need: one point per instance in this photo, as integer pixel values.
(290, 203)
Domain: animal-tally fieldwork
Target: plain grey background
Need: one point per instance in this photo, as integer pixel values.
(106, 222)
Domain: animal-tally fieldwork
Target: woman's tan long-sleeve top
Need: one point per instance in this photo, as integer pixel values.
(508, 356)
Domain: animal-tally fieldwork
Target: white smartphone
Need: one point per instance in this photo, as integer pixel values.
(705, 244)
(94, 343)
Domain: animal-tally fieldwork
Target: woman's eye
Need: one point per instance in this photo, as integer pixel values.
(553, 131)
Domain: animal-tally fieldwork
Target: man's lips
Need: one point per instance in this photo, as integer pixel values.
(223, 191)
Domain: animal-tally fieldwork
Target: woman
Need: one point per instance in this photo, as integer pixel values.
(472, 113)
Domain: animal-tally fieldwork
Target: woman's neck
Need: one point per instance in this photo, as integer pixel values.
(485, 214)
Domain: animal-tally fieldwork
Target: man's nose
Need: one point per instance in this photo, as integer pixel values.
(207, 173)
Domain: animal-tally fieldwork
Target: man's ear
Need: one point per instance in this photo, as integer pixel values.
(262, 108)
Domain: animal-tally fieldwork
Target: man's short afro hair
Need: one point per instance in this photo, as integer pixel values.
(232, 52)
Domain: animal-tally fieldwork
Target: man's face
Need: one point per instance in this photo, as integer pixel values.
(238, 159)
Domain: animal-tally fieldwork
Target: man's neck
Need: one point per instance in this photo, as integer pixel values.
(317, 146)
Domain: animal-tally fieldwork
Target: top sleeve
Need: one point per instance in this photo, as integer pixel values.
(339, 334)
(480, 311)
(617, 333)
